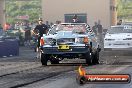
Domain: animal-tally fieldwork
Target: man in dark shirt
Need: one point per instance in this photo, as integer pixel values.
(75, 19)
(39, 30)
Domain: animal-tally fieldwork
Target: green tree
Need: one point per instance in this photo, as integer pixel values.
(125, 9)
(15, 8)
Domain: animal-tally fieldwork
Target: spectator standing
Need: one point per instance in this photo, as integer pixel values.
(1, 30)
(27, 35)
(17, 25)
(51, 24)
(75, 19)
(100, 34)
(95, 28)
(47, 23)
(6, 26)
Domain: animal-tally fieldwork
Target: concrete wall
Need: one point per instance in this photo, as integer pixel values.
(54, 10)
(2, 12)
(113, 12)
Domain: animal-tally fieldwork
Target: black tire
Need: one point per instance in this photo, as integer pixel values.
(81, 80)
(88, 58)
(44, 59)
(54, 61)
(96, 58)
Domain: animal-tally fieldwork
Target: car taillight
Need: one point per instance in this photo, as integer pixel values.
(85, 40)
(41, 42)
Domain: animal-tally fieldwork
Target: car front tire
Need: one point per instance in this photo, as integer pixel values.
(96, 58)
(54, 61)
(88, 58)
(44, 59)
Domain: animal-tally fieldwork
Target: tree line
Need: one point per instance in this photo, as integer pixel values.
(124, 9)
(15, 8)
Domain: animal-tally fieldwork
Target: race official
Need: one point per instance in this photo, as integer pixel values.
(39, 30)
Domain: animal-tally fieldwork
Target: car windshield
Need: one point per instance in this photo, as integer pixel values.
(52, 30)
(77, 28)
(114, 30)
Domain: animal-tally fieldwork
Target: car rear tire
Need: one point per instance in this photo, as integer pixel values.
(44, 59)
(88, 58)
(96, 58)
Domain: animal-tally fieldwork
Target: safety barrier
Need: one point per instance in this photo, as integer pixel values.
(9, 47)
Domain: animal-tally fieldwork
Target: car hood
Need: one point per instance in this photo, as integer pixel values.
(65, 34)
(119, 35)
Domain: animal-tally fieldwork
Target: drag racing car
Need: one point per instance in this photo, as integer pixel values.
(118, 37)
(69, 40)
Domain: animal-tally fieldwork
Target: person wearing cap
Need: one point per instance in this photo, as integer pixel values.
(75, 19)
(39, 30)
